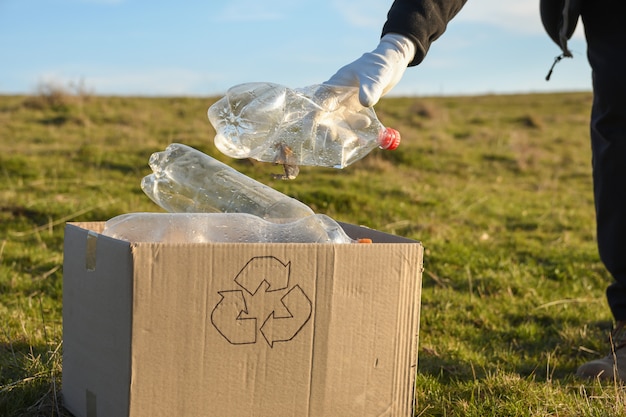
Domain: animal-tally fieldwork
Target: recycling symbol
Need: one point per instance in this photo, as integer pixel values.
(263, 304)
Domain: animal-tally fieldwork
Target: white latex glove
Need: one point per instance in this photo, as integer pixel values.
(377, 72)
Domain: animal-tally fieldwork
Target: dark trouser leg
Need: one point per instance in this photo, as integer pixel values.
(606, 40)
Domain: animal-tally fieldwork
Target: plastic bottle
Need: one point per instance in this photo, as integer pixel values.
(185, 180)
(319, 125)
(223, 227)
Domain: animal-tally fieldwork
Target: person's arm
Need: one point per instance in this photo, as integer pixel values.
(422, 21)
(411, 26)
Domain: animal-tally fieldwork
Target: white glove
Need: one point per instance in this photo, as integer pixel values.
(377, 72)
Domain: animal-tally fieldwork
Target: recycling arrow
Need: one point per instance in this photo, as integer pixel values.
(284, 328)
(264, 268)
(282, 316)
(227, 318)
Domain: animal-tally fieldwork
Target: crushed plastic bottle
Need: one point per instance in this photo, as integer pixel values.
(320, 125)
(223, 227)
(185, 180)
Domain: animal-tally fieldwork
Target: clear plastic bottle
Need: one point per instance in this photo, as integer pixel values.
(185, 180)
(320, 125)
(223, 227)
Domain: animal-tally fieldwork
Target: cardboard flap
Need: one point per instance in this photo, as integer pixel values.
(359, 232)
(97, 293)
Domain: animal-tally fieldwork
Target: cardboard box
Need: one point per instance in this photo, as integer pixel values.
(228, 330)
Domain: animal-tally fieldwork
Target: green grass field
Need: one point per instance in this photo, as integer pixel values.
(498, 189)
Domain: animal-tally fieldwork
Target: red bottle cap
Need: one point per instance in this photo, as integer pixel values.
(389, 139)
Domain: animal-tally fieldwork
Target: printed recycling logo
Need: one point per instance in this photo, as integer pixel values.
(264, 304)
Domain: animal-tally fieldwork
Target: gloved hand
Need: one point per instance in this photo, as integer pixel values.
(377, 72)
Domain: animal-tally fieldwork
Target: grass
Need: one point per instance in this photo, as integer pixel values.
(498, 188)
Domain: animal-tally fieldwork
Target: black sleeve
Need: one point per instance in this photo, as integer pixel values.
(422, 21)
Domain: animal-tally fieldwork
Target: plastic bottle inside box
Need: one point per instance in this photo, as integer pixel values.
(185, 180)
(224, 227)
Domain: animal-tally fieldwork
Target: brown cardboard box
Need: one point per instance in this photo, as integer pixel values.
(229, 330)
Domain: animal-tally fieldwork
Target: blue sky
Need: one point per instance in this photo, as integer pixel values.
(201, 48)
